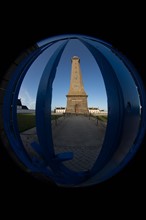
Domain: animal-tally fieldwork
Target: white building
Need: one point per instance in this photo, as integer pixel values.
(60, 110)
(94, 110)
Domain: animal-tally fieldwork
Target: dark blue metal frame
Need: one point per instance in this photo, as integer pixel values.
(51, 165)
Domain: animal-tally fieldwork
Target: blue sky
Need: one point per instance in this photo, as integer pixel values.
(91, 75)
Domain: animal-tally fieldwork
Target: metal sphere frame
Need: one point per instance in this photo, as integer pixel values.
(125, 128)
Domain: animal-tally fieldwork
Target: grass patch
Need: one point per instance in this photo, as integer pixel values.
(25, 121)
(102, 118)
(54, 117)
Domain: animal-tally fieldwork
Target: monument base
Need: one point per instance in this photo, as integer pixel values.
(77, 104)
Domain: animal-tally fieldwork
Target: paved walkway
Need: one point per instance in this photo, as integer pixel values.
(78, 134)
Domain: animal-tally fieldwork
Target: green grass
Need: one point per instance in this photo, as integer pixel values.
(102, 117)
(53, 117)
(25, 121)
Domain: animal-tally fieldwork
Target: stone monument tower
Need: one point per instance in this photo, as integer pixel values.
(76, 97)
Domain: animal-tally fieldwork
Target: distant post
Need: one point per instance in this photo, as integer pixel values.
(96, 120)
(56, 120)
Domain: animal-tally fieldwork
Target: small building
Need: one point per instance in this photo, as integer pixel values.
(103, 112)
(24, 107)
(93, 110)
(60, 110)
(20, 106)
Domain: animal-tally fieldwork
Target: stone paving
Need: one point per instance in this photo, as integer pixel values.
(78, 134)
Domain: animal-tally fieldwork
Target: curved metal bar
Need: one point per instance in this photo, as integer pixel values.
(115, 108)
(131, 133)
(43, 104)
(43, 124)
(9, 107)
(68, 37)
(118, 113)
